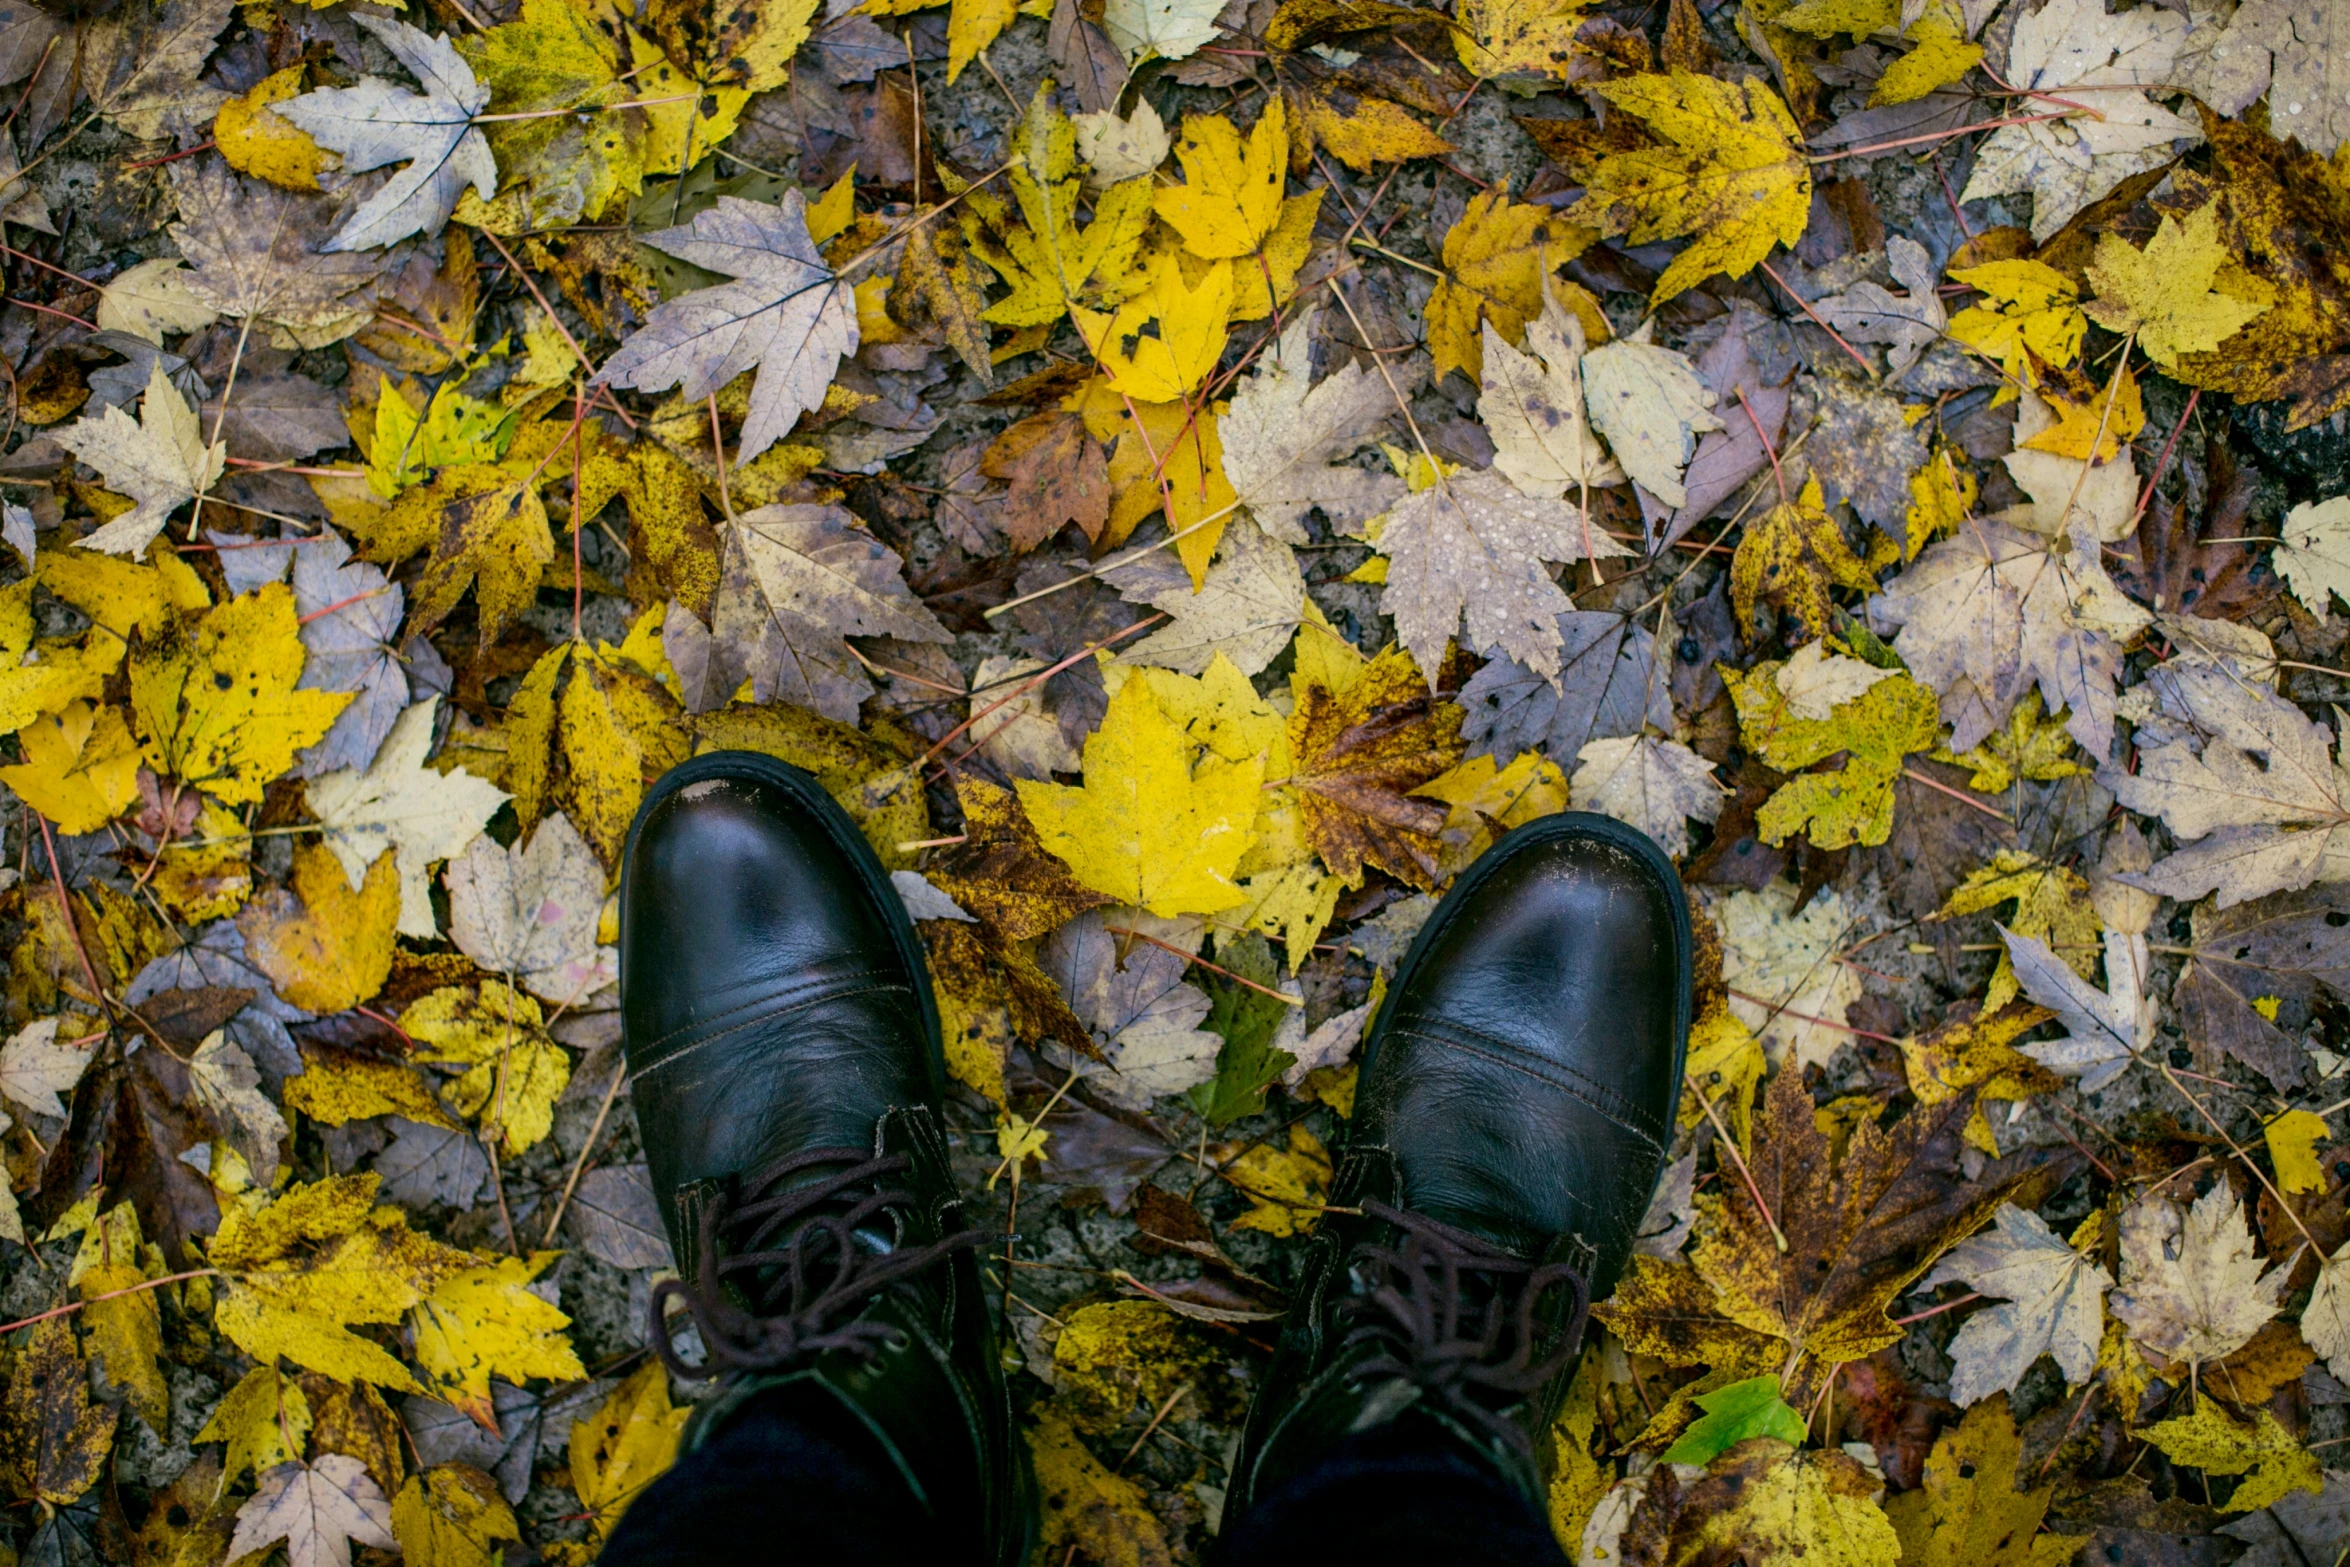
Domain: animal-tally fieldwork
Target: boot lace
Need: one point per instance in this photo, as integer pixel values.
(1456, 1317)
(786, 1265)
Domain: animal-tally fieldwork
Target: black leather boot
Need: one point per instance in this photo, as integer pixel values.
(1516, 1100)
(784, 1055)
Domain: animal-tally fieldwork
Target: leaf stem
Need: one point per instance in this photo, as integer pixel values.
(134, 1289)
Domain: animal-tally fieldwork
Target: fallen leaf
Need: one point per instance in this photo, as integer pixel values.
(1730, 170)
(2162, 294)
(350, 618)
(35, 1068)
(1658, 786)
(258, 253)
(2035, 316)
(1285, 436)
(1159, 29)
(2064, 164)
(141, 67)
(1793, 557)
(514, 1072)
(1794, 992)
(784, 313)
(324, 944)
(485, 1322)
(375, 122)
(54, 1440)
(1145, 1017)
(1471, 547)
(1247, 612)
(1088, 1507)
(159, 461)
(1500, 261)
(151, 300)
(318, 1509)
(264, 1420)
(2260, 971)
(2313, 553)
(1161, 820)
(1907, 324)
(1733, 1414)
(2106, 1030)
(530, 911)
(1533, 407)
(2264, 1452)
(614, 1214)
(1651, 407)
(1358, 753)
(451, 1515)
(1766, 1504)
(625, 1446)
(1002, 871)
(2052, 1302)
(1970, 1512)
(404, 805)
(1875, 731)
(2249, 780)
(2192, 1290)
(1987, 615)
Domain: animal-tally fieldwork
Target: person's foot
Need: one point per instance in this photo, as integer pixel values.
(784, 1056)
(1516, 1099)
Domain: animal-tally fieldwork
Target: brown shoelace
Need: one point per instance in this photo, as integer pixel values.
(786, 1265)
(1456, 1317)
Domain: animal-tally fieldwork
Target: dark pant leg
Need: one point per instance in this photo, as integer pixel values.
(792, 1478)
(1401, 1493)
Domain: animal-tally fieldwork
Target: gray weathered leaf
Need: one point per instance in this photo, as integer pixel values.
(318, 1509)
(1143, 1013)
(2052, 1302)
(279, 416)
(159, 460)
(1608, 685)
(350, 613)
(225, 1079)
(531, 911)
(1863, 450)
(797, 581)
(1651, 406)
(426, 1165)
(924, 901)
(216, 959)
(2191, 1287)
(375, 122)
(1248, 610)
(1470, 548)
(1658, 786)
(1532, 405)
(784, 314)
(1906, 324)
(615, 1217)
(2104, 1029)
(257, 253)
(1285, 433)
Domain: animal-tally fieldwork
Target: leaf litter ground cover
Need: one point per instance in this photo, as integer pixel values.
(1185, 477)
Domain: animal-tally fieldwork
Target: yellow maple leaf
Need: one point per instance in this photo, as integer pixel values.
(1497, 259)
(1358, 129)
(583, 732)
(1518, 37)
(119, 595)
(486, 528)
(626, 1445)
(1162, 819)
(325, 945)
(1793, 556)
(257, 141)
(2272, 1463)
(2163, 293)
(1878, 728)
(124, 1322)
(1726, 1064)
(1231, 197)
(1186, 451)
(2035, 313)
(1164, 342)
(1731, 172)
(81, 768)
(515, 1072)
(451, 1515)
(1046, 258)
(1285, 1188)
(2104, 423)
(1943, 55)
(299, 1273)
(215, 703)
(485, 1322)
(2292, 1147)
(336, 1087)
(265, 1420)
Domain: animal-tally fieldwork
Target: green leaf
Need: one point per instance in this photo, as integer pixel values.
(1247, 1019)
(1734, 1413)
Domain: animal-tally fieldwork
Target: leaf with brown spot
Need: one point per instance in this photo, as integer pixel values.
(1857, 1231)
(1001, 871)
(54, 1441)
(1059, 474)
(1360, 751)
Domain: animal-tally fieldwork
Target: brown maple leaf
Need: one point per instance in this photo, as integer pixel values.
(1359, 754)
(1001, 872)
(1857, 1231)
(2166, 564)
(1059, 474)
